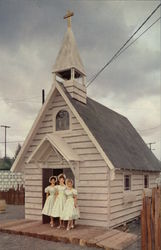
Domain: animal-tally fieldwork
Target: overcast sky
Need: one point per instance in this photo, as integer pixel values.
(31, 32)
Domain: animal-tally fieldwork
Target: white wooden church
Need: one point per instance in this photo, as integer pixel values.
(97, 147)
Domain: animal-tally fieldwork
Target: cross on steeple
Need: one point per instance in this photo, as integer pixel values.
(68, 17)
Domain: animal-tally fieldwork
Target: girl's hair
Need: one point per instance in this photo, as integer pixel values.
(52, 177)
(69, 180)
(61, 176)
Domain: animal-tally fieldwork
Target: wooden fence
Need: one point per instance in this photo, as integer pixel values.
(150, 221)
(12, 196)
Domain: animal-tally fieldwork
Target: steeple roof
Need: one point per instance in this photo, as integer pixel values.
(68, 56)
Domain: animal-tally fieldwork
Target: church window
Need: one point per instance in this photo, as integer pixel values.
(146, 181)
(62, 120)
(127, 182)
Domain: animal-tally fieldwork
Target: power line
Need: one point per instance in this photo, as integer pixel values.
(149, 128)
(137, 37)
(11, 142)
(17, 100)
(116, 54)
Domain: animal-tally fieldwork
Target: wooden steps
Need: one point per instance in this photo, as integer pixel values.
(82, 235)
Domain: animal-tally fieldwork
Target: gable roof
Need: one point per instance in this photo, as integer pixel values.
(113, 135)
(68, 56)
(118, 138)
(56, 142)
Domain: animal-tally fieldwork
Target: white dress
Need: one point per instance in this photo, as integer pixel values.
(59, 201)
(49, 203)
(70, 212)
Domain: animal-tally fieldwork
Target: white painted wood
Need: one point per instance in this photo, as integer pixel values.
(90, 203)
(92, 196)
(33, 177)
(91, 190)
(33, 200)
(126, 218)
(33, 205)
(95, 177)
(96, 210)
(33, 194)
(93, 183)
(93, 170)
(33, 217)
(99, 163)
(33, 211)
(102, 217)
(92, 223)
(33, 188)
(125, 212)
(126, 207)
(33, 183)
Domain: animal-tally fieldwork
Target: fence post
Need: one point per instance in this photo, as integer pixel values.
(148, 212)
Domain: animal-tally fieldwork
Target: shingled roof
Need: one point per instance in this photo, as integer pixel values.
(117, 137)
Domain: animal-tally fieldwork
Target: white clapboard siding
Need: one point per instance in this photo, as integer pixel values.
(33, 188)
(93, 223)
(125, 212)
(92, 210)
(33, 171)
(92, 196)
(33, 211)
(93, 183)
(94, 173)
(125, 207)
(33, 206)
(33, 183)
(75, 138)
(95, 177)
(122, 219)
(33, 194)
(102, 217)
(33, 200)
(120, 212)
(91, 163)
(33, 177)
(95, 203)
(82, 145)
(94, 170)
(84, 151)
(93, 190)
(33, 217)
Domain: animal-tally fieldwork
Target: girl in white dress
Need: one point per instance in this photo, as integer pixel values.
(60, 200)
(71, 210)
(50, 199)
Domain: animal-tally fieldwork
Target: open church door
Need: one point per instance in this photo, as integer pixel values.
(47, 172)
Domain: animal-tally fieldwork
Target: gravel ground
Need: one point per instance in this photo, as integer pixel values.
(13, 212)
(19, 242)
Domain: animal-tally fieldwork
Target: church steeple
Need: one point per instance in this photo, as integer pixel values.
(69, 66)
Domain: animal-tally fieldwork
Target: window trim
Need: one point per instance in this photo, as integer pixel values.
(147, 180)
(56, 111)
(130, 187)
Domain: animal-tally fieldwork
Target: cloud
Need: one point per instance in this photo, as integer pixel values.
(31, 35)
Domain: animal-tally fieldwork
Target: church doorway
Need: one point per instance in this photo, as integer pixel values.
(47, 172)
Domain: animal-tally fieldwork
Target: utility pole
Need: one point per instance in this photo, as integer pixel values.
(150, 145)
(5, 136)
